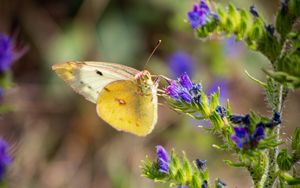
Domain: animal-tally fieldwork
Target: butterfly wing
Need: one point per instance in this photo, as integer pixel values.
(89, 78)
(122, 106)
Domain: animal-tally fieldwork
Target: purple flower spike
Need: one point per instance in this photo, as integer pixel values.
(185, 95)
(5, 158)
(200, 15)
(184, 89)
(240, 136)
(162, 159)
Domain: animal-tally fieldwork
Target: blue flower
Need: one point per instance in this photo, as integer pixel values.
(5, 158)
(276, 120)
(237, 119)
(7, 53)
(201, 164)
(162, 159)
(183, 186)
(200, 15)
(253, 11)
(184, 89)
(240, 136)
(180, 62)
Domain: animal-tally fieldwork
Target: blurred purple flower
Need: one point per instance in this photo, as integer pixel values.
(180, 62)
(232, 46)
(200, 15)
(162, 159)
(7, 54)
(184, 89)
(213, 87)
(183, 186)
(5, 158)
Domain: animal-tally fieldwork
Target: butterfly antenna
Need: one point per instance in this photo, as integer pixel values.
(157, 45)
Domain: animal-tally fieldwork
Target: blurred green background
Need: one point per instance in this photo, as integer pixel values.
(58, 140)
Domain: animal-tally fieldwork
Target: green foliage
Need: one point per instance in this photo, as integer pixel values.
(296, 145)
(284, 160)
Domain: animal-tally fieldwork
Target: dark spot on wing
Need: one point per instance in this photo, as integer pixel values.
(120, 101)
(136, 124)
(81, 82)
(106, 89)
(99, 72)
(89, 87)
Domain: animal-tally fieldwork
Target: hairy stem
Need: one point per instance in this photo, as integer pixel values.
(271, 171)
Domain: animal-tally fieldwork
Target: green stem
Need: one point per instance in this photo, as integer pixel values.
(272, 153)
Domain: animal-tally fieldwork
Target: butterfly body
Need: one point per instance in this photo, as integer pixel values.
(125, 98)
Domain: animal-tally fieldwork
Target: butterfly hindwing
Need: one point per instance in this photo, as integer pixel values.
(89, 78)
(122, 105)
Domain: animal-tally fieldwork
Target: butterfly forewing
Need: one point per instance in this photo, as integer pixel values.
(89, 78)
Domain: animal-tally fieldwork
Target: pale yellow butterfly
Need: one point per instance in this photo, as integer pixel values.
(125, 97)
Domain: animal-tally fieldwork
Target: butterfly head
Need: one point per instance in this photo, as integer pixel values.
(145, 82)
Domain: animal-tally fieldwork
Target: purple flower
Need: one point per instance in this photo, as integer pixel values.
(183, 186)
(180, 62)
(185, 81)
(258, 135)
(240, 136)
(243, 140)
(184, 89)
(173, 89)
(233, 47)
(200, 15)
(5, 158)
(162, 159)
(7, 54)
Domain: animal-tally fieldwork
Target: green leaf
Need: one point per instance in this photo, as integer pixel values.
(284, 160)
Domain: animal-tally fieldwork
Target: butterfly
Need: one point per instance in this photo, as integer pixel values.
(125, 98)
